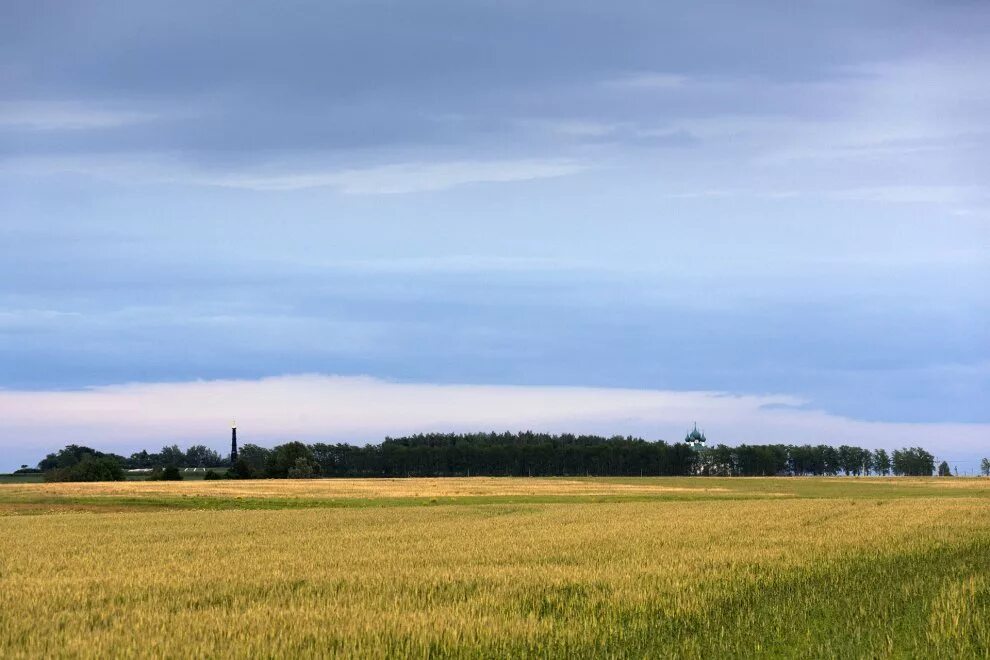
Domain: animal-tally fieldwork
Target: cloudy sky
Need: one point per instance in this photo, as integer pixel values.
(343, 219)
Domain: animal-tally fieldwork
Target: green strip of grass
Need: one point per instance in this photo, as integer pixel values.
(49, 503)
(44, 504)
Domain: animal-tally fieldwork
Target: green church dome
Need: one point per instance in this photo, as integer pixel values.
(695, 437)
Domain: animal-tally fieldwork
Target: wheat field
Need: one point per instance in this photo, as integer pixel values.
(497, 567)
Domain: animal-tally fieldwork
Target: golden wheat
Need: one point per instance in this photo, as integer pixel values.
(810, 577)
(364, 488)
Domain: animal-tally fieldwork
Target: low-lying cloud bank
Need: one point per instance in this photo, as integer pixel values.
(361, 409)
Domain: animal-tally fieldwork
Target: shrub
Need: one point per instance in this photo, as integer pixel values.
(241, 470)
(169, 473)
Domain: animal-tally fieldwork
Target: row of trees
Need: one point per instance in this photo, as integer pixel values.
(503, 454)
(169, 456)
(531, 454)
(197, 456)
(767, 460)
(78, 463)
(521, 454)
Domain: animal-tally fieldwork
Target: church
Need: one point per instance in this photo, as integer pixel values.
(695, 438)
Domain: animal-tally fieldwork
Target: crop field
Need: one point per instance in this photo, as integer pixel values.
(485, 567)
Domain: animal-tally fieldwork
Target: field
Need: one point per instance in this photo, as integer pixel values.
(849, 567)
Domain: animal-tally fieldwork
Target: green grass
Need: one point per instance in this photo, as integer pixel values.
(47, 504)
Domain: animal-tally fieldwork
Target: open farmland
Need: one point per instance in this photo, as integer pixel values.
(494, 567)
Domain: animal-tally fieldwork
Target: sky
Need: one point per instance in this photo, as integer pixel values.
(340, 220)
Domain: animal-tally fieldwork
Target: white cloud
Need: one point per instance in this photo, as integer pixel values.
(913, 194)
(649, 80)
(405, 177)
(461, 263)
(906, 194)
(389, 179)
(359, 409)
(66, 116)
(577, 128)
(32, 318)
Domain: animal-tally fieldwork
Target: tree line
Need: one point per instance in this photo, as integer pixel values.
(498, 454)
(80, 463)
(770, 460)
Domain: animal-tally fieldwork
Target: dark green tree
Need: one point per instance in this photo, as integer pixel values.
(172, 455)
(913, 462)
(291, 455)
(881, 462)
(253, 460)
(141, 459)
(67, 457)
(303, 469)
(202, 456)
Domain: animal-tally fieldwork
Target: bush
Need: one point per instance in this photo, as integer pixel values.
(210, 474)
(241, 470)
(169, 473)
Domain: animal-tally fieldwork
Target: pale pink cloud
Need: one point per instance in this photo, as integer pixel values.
(361, 409)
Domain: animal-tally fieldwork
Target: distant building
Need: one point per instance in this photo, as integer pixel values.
(233, 442)
(695, 438)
